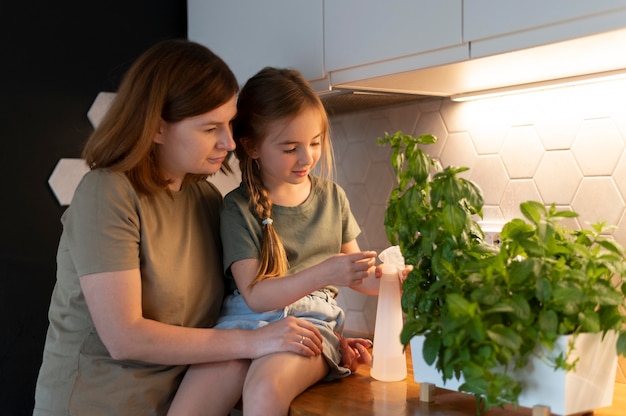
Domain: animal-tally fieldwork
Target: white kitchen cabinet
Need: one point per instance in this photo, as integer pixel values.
(358, 33)
(425, 47)
(250, 35)
(497, 26)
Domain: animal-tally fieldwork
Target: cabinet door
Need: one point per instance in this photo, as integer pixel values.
(489, 18)
(250, 34)
(360, 32)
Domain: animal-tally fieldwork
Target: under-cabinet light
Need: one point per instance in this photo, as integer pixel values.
(618, 74)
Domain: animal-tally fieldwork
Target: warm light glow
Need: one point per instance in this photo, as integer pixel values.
(616, 75)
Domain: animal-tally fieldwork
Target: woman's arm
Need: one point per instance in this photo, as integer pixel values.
(114, 301)
(278, 292)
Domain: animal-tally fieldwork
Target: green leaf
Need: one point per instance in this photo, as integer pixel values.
(532, 210)
(543, 289)
(411, 328)
(549, 323)
(476, 329)
(590, 321)
(459, 306)
(505, 336)
(430, 350)
(454, 219)
(427, 139)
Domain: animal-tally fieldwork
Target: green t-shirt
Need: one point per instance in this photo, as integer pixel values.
(174, 241)
(310, 232)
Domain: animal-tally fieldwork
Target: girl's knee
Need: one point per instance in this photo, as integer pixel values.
(266, 398)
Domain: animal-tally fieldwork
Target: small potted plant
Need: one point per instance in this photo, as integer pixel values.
(481, 311)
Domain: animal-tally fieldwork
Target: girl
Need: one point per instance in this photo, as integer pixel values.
(139, 278)
(289, 236)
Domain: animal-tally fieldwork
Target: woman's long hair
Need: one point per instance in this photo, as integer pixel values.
(271, 95)
(173, 80)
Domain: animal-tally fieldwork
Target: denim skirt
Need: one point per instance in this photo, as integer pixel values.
(319, 308)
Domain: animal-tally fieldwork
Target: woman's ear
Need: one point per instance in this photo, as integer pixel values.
(158, 136)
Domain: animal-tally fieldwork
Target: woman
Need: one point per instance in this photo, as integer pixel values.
(139, 279)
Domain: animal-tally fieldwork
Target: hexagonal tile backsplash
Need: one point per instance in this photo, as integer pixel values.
(552, 146)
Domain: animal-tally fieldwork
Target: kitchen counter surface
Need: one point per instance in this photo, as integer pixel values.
(359, 394)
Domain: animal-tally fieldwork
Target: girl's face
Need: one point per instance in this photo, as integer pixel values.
(291, 149)
(197, 145)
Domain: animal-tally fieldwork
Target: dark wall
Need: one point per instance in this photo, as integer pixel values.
(55, 58)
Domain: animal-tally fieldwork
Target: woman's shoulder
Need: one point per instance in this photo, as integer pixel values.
(105, 181)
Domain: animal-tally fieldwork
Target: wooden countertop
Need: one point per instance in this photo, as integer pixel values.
(359, 394)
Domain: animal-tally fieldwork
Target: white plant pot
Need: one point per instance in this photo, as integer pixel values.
(587, 388)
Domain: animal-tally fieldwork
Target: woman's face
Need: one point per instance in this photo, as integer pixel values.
(291, 149)
(197, 145)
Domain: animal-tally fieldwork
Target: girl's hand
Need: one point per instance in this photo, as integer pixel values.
(407, 269)
(354, 352)
(405, 272)
(348, 269)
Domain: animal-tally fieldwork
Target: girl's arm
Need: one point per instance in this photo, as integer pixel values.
(344, 269)
(114, 301)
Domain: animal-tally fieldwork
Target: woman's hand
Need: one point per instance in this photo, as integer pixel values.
(354, 352)
(288, 334)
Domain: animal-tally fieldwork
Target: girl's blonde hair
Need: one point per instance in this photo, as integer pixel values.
(173, 80)
(271, 95)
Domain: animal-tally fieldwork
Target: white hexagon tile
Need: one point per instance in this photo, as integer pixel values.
(69, 171)
(65, 178)
(598, 146)
(99, 107)
(561, 165)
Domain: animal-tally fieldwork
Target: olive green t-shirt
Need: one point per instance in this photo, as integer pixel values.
(310, 232)
(174, 241)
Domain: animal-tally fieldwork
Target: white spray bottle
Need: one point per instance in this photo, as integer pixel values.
(389, 360)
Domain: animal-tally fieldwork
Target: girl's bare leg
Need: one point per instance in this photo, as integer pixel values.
(273, 381)
(210, 389)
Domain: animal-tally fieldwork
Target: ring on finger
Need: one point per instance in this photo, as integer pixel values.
(302, 340)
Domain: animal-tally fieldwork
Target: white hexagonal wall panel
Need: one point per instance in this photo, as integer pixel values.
(459, 151)
(557, 177)
(490, 175)
(557, 133)
(376, 228)
(432, 123)
(65, 178)
(99, 107)
(379, 182)
(619, 176)
(598, 146)
(620, 232)
(486, 121)
(598, 200)
(226, 183)
(339, 140)
(521, 152)
(359, 202)
(356, 163)
(516, 192)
